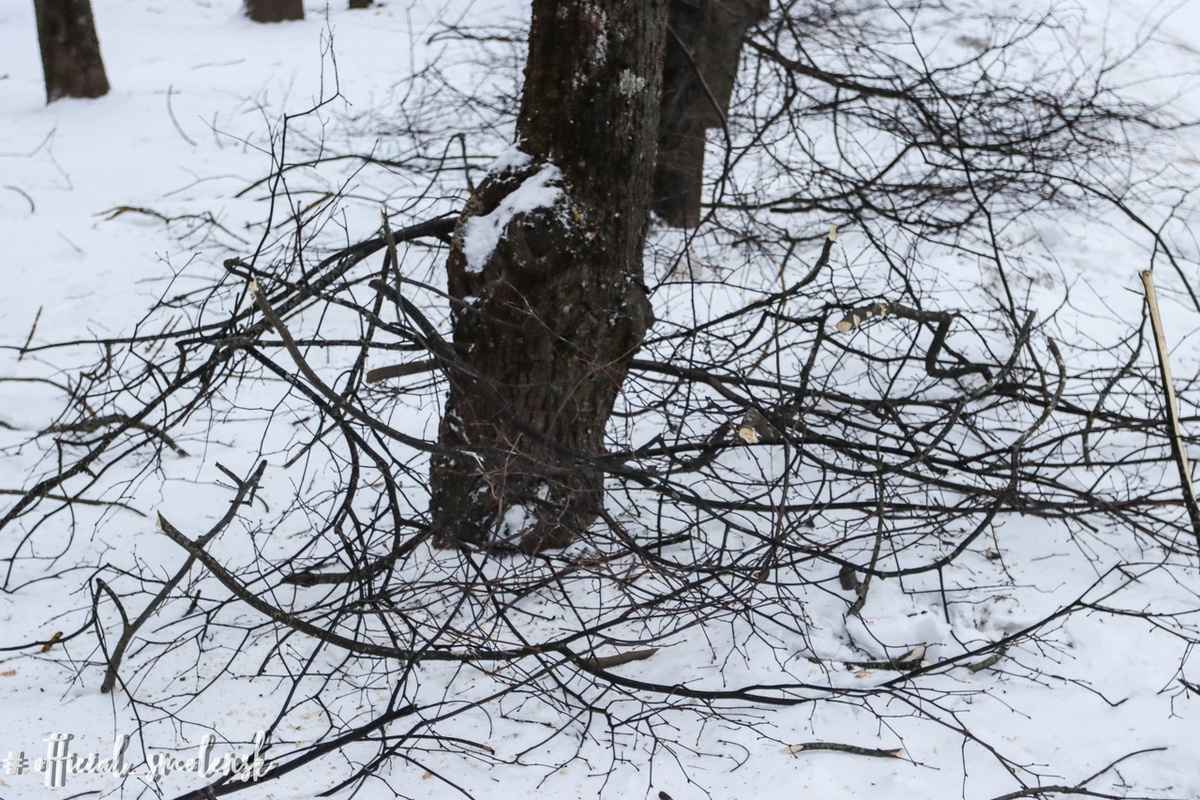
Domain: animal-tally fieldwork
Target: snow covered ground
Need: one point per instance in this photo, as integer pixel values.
(108, 205)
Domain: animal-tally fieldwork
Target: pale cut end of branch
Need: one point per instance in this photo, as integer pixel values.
(607, 662)
(833, 233)
(858, 316)
(988, 662)
(755, 428)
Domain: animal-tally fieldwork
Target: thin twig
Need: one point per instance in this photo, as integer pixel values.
(175, 122)
(114, 660)
(83, 501)
(844, 748)
(29, 338)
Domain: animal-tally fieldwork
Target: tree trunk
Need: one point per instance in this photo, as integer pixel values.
(274, 10)
(547, 317)
(70, 49)
(703, 49)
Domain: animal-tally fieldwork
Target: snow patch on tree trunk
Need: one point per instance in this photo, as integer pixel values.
(511, 160)
(482, 234)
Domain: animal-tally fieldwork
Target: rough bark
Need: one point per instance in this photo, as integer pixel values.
(274, 10)
(545, 329)
(70, 49)
(702, 53)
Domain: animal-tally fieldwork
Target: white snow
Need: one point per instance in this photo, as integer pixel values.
(482, 234)
(196, 91)
(512, 159)
(515, 521)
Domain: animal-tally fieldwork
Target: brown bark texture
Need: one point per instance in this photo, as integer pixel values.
(545, 329)
(704, 45)
(274, 10)
(70, 49)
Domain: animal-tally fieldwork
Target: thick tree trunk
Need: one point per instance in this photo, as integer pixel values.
(274, 10)
(70, 50)
(703, 49)
(548, 316)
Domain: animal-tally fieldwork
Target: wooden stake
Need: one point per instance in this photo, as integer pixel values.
(1164, 368)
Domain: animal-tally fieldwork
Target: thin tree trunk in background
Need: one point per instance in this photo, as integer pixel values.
(703, 49)
(70, 49)
(546, 325)
(274, 10)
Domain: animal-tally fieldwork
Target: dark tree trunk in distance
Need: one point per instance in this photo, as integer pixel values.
(545, 329)
(70, 49)
(274, 10)
(703, 49)
(360, 3)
